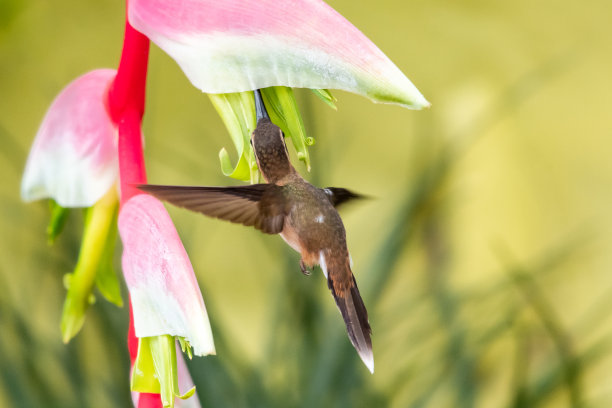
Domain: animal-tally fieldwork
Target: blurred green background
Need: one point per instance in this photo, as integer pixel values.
(484, 258)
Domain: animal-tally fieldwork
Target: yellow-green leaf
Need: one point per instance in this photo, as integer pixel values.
(143, 375)
(237, 110)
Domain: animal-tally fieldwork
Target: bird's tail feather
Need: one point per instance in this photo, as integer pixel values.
(355, 317)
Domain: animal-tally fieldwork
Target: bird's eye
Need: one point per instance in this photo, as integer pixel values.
(251, 141)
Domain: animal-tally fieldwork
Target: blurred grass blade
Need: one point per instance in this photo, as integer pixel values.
(570, 368)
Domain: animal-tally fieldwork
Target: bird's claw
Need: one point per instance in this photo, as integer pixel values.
(304, 269)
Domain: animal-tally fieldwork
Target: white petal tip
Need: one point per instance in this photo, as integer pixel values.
(413, 102)
(411, 99)
(208, 352)
(425, 104)
(27, 194)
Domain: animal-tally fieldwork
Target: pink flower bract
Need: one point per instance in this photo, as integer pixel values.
(164, 292)
(74, 156)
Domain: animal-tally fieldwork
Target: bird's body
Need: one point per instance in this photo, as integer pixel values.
(305, 217)
(314, 228)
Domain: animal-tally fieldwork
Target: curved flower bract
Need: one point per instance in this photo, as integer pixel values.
(165, 296)
(239, 45)
(74, 156)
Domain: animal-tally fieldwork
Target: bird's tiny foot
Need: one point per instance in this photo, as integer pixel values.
(304, 269)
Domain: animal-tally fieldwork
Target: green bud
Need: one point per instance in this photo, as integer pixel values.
(185, 346)
(59, 215)
(326, 97)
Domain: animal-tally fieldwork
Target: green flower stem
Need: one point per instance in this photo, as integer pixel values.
(106, 278)
(98, 224)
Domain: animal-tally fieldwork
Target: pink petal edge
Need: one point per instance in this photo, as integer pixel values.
(74, 155)
(163, 288)
(237, 45)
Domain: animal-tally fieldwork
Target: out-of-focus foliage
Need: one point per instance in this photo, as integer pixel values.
(484, 257)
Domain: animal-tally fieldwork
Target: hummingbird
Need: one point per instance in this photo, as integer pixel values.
(303, 215)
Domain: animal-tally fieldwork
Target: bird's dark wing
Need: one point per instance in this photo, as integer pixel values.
(338, 195)
(262, 206)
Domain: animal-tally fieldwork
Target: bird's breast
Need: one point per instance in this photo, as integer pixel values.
(291, 237)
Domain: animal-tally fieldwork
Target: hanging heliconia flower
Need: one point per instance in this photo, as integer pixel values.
(73, 162)
(236, 45)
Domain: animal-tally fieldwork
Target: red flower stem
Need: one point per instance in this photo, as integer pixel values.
(132, 339)
(126, 98)
(126, 104)
(131, 158)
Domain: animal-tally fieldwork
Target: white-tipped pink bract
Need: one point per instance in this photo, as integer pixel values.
(240, 45)
(163, 289)
(74, 156)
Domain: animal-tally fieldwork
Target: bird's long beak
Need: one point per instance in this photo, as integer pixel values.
(260, 108)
